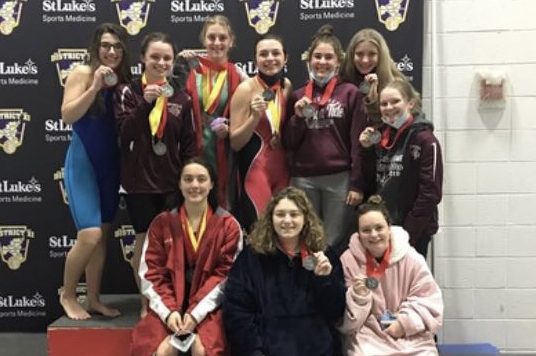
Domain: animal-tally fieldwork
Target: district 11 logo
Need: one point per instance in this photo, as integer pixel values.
(12, 126)
(127, 239)
(14, 244)
(59, 176)
(133, 14)
(261, 14)
(392, 13)
(66, 59)
(10, 12)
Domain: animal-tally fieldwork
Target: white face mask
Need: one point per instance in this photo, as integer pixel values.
(321, 82)
(398, 122)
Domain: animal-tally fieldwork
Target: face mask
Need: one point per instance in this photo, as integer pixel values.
(321, 82)
(398, 122)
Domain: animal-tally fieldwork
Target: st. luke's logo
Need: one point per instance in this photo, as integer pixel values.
(127, 239)
(14, 244)
(262, 14)
(12, 126)
(10, 12)
(66, 59)
(133, 14)
(392, 12)
(59, 177)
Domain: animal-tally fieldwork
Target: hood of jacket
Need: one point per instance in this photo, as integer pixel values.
(399, 242)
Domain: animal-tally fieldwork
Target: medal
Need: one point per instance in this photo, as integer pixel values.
(159, 148)
(10, 146)
(364, 87)
(374, 137)
(268, 95)
(193, 63)
(110, 79)
(309, 262)
(371, 283)
(308, 111)
(166, 90)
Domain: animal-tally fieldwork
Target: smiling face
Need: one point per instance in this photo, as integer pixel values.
(324, 60)
(366, 57)
(374, 232)
(394, 105)
(270, 56)
(217, 41)
(288, 221)
(158, 60)
(110, 50)
(195, 183)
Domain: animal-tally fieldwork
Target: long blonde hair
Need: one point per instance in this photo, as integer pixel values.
(263, 237)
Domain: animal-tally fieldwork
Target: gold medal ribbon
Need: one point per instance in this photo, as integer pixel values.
(158, 115)
(187, 227)
(212, 93)
(274, 106)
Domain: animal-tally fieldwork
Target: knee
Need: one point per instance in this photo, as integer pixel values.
(165, 348)
(92, 236)
(198, 349)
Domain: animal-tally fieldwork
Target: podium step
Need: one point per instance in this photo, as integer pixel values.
(468, 350)
(99, 335)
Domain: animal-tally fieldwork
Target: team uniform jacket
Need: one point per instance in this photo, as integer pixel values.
(273, 306)
(142, 171)
(407, 289)
(163, 274)
(330, 144)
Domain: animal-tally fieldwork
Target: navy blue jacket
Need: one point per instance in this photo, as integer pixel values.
(273, 306)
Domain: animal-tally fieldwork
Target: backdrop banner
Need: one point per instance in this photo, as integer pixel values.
(41, 41)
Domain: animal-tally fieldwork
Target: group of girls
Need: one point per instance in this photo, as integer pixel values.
(181, 150)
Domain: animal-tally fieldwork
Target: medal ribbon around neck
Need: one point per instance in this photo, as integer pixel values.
(274, 106)
(188, 229)
(212, 92)
(374, 270)
(158, 115)
(328, 92)
(386, 134)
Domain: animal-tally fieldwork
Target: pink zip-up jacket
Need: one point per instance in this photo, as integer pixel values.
(407, 289)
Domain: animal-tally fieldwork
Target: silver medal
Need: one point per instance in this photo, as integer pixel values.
(308, 111)
(364, 87)
(159, 148)
(371, 283)
(110, 79)
(374, 137)
(309, 262)
(193, 63)
(167, 90)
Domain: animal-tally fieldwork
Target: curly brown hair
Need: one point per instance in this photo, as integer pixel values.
(374, 203)
(263, 237)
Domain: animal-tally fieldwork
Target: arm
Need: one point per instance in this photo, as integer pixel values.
(131, 112)
(241, 310)
(81, 88)
(358, 300)
(155, 280)
(423, 308)
(430, 177)
(246, 112)
(208, 296)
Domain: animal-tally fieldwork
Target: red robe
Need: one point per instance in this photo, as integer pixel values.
(162, 272)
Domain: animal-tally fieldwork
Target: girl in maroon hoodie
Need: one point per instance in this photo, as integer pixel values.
(320, 137)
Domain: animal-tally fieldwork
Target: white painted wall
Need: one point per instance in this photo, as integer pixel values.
(485, 253)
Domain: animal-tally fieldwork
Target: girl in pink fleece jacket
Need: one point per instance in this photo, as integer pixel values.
(393, 304)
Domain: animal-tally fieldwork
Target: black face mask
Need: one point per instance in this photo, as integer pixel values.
(270, 80)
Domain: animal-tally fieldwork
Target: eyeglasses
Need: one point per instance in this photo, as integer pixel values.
(107, 46)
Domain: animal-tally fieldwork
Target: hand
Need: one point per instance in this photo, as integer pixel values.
(98, 77)
(187, 54)
(221, 130)
(371, 78)
(364, 137)
(359, 287)
(152, 92)
(174, 321)
(323, 266)
(395, 330)
(354, 198)
(372, 95)
(258, 106)
(188, 324)
(300, 104)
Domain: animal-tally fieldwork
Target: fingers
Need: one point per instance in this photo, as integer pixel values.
(323, 266)
(371, 78)
(187, 54)
(258, 104)
(300, 104)
(151, 92)
(365, 137)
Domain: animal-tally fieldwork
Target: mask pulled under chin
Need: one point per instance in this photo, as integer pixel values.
(399, 121)
(322, 81)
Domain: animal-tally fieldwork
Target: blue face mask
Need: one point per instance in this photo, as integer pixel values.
(398, 122)
(322, 81)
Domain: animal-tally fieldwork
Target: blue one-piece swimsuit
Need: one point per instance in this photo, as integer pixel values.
(92, 167)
